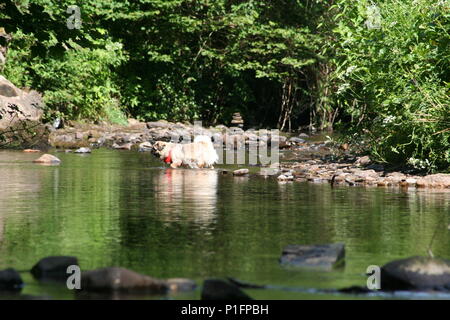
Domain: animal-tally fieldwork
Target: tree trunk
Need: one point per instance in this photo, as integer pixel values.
(287, 104)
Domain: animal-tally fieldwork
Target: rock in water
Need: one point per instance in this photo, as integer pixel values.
(181, 284)
(121, 279)
(218, 289)
(83, 150)
(285, 177)
(54, 268)
(126, 146)
(47, 159)
(240, 172)
(416, 273)
(10, 280)
(145, 147)
(324, 256)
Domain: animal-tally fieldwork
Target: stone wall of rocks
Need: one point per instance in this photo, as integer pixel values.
(76, 135)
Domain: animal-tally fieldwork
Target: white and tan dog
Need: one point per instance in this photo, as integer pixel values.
(199, 154)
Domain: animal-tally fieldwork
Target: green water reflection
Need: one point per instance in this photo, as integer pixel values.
(125, 209)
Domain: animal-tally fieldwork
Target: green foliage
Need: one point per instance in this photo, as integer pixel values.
(80, 84)
(393, 81)
(74, 68)
(380, 69)
(180, 60)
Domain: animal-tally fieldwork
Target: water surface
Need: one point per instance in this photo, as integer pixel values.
(123, 208)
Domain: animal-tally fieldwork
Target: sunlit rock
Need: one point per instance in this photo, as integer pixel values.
(47, 159)
(240, 172)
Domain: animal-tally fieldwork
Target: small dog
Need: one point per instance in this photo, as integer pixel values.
(199, 154)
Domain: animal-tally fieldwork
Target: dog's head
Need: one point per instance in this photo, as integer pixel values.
(158, 148)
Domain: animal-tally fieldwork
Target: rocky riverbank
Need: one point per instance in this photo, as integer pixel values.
(302, 158)
(75, 135)
(360, 172)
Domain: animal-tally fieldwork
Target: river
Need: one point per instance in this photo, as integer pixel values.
(124, 208)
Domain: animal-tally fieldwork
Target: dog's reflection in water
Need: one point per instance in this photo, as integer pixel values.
(187, 195)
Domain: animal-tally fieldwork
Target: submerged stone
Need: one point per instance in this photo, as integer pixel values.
(54, 267)
(218, 289)
(10, 280)
(121, 279)
(324, 256)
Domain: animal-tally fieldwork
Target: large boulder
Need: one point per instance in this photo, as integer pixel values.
(18, 105)
(53, 268)
(325, 256)
(416, 273)
(113, 279)
(10, 280)
(218, 289)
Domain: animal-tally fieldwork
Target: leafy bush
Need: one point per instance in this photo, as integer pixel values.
(392, 80)
(381, 69)
(80, 84)
(73, 68)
